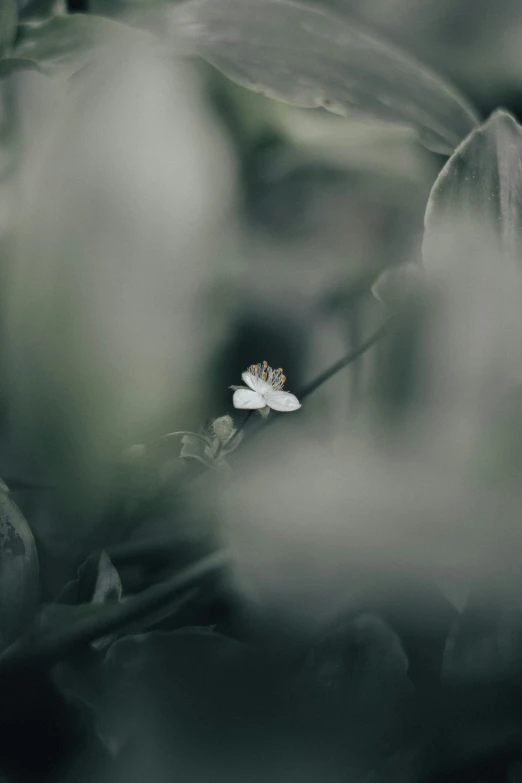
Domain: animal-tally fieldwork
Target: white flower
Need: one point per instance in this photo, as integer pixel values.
(264, 390)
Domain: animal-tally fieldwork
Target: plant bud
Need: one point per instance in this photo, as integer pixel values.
(223, 428)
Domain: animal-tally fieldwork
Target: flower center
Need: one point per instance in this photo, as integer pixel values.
(273, 378)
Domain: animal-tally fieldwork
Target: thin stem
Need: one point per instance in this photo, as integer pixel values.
(342, 363)
(242, 425)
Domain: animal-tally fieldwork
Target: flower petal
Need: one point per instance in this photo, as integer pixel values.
(248, 399)
(282, 401)
(249, 379)
(257, 384)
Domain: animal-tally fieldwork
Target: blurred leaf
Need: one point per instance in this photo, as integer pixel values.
(398, 285)
(19, 572)
(93, 621)
(108, 583)
(362, 664)
(64, 44)
(355, 680)
(59, 617)
(472, 252)
(233, 442)
(193, 448)
(169, 611)
(476, 720)
(8, 22)
(486, 642)
(311, 58)
(139, 657)
(98, 582)
(194, 701)
(191, 701)
(39, 9)
(10, 65)
(211, 455)
(55, 616)
(483, 182)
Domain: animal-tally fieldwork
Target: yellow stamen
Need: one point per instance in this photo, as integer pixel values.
(283, 378)
(279, 369)
(265, 364)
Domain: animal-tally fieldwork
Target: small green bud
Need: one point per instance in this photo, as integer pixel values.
(223, 428)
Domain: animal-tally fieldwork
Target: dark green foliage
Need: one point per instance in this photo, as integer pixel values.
(136, 654)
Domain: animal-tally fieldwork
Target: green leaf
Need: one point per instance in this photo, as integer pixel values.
(64, 44)
(108, 583)
(93, 621)
(8, 22)
(65, 619)
(472, 250)
(361, 663)
(396, 286)
(10, 65)
(486, 641)
(19, 572)
(478, 714)
(39, 9)
(481, 182)
(233, 442)
(192, 700)
(54, 617)
(98, 582)
(310, 57)
(194, 448)
(355, 687)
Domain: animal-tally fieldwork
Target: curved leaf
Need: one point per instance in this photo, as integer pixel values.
(39, 9)
(482, 181)
(311, 58)
(89, 622)
(486, 642)
(10, 65)
(98, 582)
(355, 686)
(478, 715)
(19, 572)
(472, 248)
(190, 701)
(397, 285)
(361, 663)
(108, 582)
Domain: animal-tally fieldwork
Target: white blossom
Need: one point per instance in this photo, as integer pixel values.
(264, 389)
